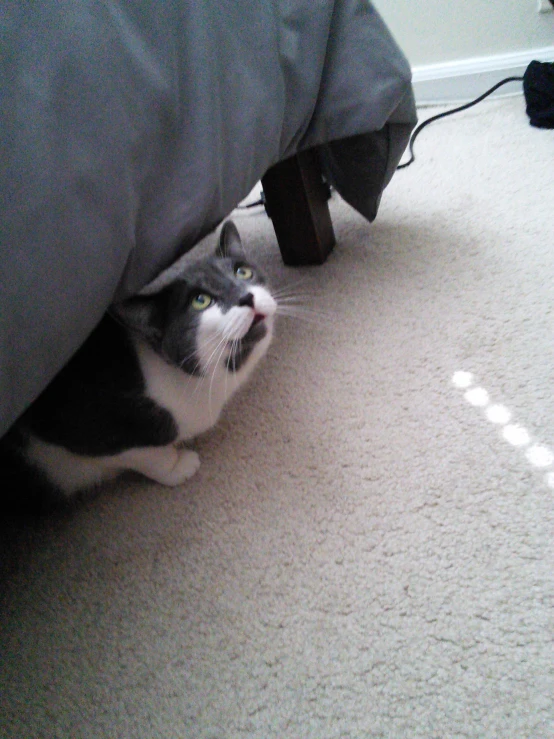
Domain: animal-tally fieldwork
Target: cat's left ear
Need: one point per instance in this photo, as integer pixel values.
(144, 314)
(230, 244)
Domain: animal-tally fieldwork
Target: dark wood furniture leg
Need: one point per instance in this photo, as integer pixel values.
(296, 202)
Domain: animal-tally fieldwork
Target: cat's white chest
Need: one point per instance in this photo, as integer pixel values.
(194, 402)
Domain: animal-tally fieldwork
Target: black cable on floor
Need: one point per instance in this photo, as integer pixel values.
(421, 126)
(261, 201)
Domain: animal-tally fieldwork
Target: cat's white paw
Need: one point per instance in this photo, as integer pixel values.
(187, 465)
(165, 464)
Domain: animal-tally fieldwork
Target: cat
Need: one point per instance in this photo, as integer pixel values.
(154, 373)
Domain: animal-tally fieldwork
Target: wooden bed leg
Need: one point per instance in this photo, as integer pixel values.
(296, 202)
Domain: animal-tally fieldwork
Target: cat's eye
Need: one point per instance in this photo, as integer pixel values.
(244, 273)
(201, 301)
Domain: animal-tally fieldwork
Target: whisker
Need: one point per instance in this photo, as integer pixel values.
(219, 342)
(299, 308)
(195, 352)
(296, 299)
(293, 304)
(216, 364)
(230, 363)
(304, 297)
(290, 298)
(233, 355)
(308, 316)
(192, 376)
(288, 286)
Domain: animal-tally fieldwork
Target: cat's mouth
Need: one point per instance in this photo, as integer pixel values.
(257, 318)
(257, 330)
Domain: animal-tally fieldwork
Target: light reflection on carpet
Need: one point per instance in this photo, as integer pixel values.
(538, 455)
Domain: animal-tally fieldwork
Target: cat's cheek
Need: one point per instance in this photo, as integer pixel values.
(209, 340)
(210, 320)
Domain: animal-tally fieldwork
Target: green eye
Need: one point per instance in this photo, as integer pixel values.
(244, 273)
(201, 301)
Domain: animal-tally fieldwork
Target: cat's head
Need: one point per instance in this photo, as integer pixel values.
(218, 311)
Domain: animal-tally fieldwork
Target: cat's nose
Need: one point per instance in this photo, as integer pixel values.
(247, 300)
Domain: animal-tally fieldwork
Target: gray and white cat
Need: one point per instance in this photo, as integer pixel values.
(155, 373)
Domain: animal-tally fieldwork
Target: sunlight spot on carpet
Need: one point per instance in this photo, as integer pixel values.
(516, 435)
(539, 455)
(462, 379)
(477, 396)
(498, 414)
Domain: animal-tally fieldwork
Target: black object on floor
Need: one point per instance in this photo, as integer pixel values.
(538, 88)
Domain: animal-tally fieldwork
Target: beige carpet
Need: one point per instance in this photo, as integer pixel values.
(364, 553)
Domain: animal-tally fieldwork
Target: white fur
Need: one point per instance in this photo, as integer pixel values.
(167, 465)
(194, 402)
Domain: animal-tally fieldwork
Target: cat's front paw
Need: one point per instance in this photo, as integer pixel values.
(186, 466)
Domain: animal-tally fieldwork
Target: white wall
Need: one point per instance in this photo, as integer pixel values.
(434, 31)
(458, 49)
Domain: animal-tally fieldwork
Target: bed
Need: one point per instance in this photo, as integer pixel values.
(130, 130)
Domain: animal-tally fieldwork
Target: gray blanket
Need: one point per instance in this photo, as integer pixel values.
(131, 129)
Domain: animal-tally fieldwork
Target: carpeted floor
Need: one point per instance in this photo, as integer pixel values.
(364, 552)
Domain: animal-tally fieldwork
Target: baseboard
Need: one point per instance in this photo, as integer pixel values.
(464, 80)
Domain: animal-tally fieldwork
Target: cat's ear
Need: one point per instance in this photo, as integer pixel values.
(144, 314)
(230, 244)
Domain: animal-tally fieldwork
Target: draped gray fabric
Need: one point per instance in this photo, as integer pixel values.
(129, 130)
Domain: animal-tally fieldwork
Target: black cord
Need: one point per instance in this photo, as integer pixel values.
(421, 126)
(261, 201)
